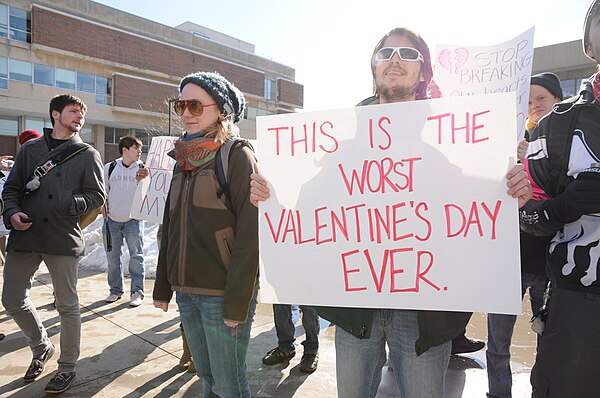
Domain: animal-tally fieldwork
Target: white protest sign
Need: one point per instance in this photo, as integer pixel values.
(151, 194)
(472, 70)
(392, 206)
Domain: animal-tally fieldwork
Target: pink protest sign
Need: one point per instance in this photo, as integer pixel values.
(392, 206)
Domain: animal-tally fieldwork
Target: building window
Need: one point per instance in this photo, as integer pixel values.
(86, 134)
(66, 79)
(20, 70)
(144, 137)
(250, 113)
(20, 25)
(270, 89)
(3, 73)
(9, 126)
(112, 135)
(37, 124)
(85, 82)
(47, 75)
(43, 74)
(3, 20)
(103, 90)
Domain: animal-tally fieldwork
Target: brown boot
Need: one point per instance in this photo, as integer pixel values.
(185, 362)
(191, 368)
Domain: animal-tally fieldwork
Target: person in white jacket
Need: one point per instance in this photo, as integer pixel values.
(122, 176)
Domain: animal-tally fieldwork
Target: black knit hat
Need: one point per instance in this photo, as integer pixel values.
(229, 98)
(593, 10)
(550, 82)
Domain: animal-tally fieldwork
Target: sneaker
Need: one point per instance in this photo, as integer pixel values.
(463, 345)
(277, 355)
(112, 298)
(37, 364)
(136, 299)
(60, 382)
(309, 363)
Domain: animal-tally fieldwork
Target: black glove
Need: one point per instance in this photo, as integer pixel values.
(580, 197)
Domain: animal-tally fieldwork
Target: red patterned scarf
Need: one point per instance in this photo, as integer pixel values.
(196, 152)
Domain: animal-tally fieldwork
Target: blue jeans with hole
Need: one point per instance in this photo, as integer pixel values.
(500, 332)
(219, 351)
(282, 315)
(132, 232)
(359, 361)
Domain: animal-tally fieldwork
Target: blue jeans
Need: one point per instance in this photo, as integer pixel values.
(219, 351)
(500, 331)
(132, 232)
(359, 361)
(282, 315)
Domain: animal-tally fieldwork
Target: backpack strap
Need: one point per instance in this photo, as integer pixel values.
(222, 163)
(111, 167)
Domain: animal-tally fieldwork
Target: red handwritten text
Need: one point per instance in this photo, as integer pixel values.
(470, 127)
(387, 138)
(458, 222)
(307, 139)
(350, 223)
(401, 279)
(376, 175)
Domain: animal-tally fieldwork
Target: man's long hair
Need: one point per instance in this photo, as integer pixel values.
(419, 43)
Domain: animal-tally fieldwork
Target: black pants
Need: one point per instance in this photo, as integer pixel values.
(568, 357)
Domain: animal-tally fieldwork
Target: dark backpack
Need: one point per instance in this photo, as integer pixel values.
(563, 120)
(222, 162)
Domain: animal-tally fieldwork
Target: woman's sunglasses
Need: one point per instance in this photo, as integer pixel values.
(194, 106)
(405, 53)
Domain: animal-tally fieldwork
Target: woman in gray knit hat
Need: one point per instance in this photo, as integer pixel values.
(209, 245)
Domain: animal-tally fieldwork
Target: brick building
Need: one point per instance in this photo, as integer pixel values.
(124, 67)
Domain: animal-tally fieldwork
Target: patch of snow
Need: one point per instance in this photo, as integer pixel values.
(94, 258)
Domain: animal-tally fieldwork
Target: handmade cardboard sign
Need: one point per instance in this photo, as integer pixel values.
(392, 206)
(472, 70)
(151, 193)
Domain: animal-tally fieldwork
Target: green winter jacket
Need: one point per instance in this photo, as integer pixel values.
(209, 244)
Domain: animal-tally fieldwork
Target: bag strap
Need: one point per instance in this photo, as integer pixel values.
(42, 169)
(111, 167)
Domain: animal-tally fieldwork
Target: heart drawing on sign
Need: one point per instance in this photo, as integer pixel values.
(453, 61)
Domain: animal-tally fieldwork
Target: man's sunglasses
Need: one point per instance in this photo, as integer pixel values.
(194, 106)
(405, 53)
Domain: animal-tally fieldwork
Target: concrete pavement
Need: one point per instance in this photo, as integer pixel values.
(134, 352)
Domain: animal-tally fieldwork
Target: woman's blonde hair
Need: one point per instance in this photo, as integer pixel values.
(223, 129)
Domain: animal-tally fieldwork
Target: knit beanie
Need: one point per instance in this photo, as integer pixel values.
(229, 98)
(28, 135)
(592, 11)
(550, 82)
